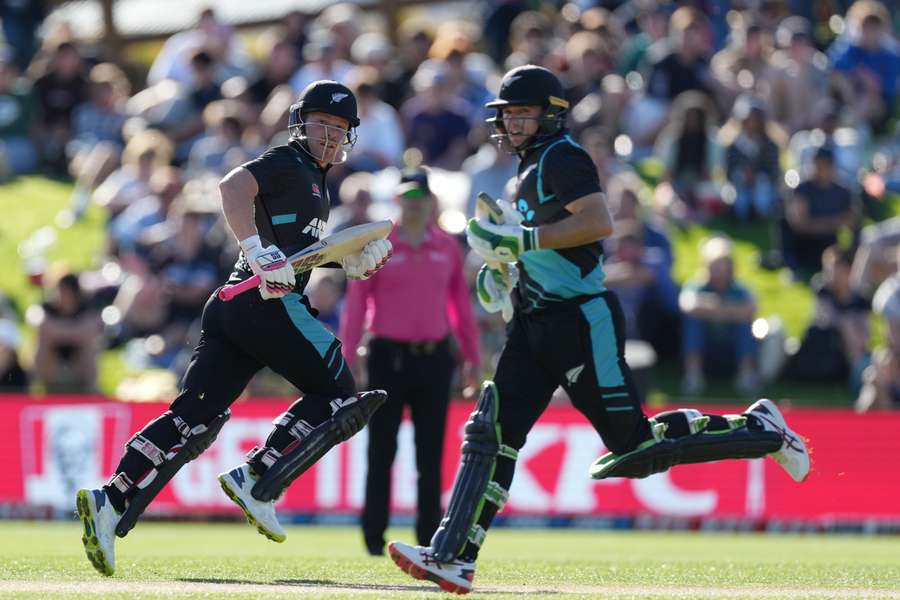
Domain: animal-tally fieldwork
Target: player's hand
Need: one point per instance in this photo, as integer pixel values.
(493, 290)
(364, 264)
(510, 214)
(276, 276)
(500, 243)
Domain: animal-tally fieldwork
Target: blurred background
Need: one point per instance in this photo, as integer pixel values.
(748, 148)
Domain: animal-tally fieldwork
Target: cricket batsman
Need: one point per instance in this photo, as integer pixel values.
(568, 330)
(275, 205)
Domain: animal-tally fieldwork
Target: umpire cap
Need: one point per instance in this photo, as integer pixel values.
(328, 97)
(530, 85)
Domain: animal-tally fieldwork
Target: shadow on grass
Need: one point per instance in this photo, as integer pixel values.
(316, 583)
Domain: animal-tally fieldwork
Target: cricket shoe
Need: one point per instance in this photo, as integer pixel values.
(793, 455)
(237, 484)
(99, 519)
(420, 563)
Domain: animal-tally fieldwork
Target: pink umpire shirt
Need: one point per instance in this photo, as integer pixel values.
(418, 296)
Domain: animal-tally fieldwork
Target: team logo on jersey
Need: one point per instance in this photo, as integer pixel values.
(574, 373)
(315, 228)
(522, 207)
(338, 96)
(315, 190)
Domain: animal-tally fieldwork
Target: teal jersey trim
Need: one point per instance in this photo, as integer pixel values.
(603, 343)
(542, 198)
(559, 276)
(307, 324)
(284, 219)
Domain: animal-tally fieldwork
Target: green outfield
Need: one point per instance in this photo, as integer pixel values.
(45, 560)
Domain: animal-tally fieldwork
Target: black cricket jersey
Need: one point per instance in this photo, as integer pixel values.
(551, 175)
(292, 204)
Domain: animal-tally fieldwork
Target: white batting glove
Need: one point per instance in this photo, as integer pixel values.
(510, 214)
(276, 276)
(493, 291)
(364, 264)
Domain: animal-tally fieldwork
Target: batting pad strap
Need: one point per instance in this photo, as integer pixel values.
(736, 421)
(122, 482)
(477, 535)
(696, 420)
(183, 428)
(283, 420)
(300, 429)
(150, 450)
(147, 479)
(267, 456)
(496, 494)
(508, 452)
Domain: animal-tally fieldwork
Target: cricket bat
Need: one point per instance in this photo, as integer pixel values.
(485, 206)
(331, 249)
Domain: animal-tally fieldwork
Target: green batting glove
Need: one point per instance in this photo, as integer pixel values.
(500, 243)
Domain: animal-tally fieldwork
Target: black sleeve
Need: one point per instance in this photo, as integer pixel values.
(569, 173)
(272, 169)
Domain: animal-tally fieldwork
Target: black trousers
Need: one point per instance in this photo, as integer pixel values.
(242, 336)
(238, 339)
(417, 375)
(582, 348)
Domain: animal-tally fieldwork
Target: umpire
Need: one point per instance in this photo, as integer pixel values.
(275, 205)
(415, 302)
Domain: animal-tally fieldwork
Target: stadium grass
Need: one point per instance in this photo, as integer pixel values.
(190, 560)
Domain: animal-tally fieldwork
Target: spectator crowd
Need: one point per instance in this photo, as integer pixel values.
(781, 115)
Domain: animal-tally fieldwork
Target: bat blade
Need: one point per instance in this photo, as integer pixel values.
(487, 207)
(330, 249)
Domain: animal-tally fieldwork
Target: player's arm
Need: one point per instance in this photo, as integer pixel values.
(238, 190)
(590, 221)
(571, 177)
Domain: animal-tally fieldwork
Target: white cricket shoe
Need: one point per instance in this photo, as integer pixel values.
(793, 455)
(237, 484)
(99, 519)
(420, 563)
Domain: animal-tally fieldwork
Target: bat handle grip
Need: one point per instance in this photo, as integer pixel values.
(228, 292)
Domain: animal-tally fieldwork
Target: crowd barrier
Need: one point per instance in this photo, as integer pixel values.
(53, 446)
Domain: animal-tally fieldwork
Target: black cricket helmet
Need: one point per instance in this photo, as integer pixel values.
(329, 97)
(529, 85)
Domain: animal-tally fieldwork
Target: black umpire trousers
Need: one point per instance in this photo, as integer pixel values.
(418, 375)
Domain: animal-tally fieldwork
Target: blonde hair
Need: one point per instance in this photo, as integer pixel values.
(108, 73)
(583, 42)
(148, 140)
(685, 17)
(861, 10)
(715, 247)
